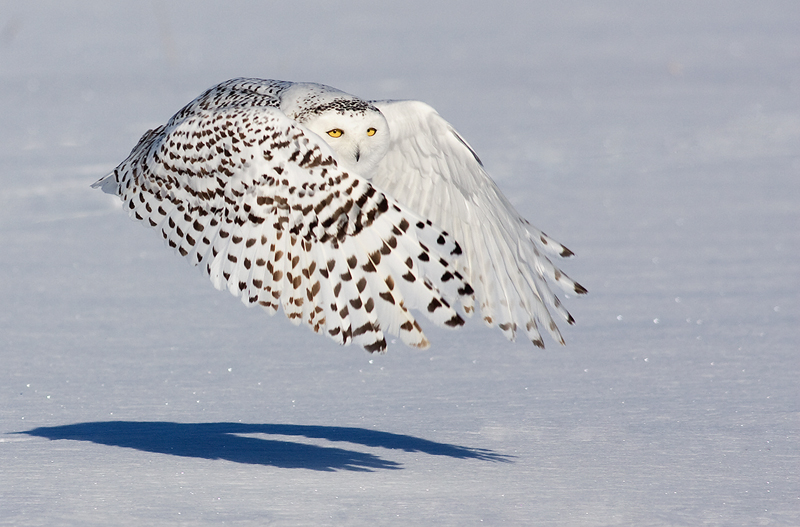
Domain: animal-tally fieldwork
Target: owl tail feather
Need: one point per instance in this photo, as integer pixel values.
(108, 184)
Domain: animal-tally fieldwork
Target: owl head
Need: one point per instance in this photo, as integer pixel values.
(356, 131)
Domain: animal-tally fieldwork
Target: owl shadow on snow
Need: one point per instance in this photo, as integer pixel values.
(230, 441)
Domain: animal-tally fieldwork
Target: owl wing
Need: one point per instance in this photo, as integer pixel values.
(259, 203)
(432, 170)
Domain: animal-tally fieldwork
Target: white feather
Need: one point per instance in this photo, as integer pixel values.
(433, 171)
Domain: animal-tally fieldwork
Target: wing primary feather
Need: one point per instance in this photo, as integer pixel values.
(431, 169)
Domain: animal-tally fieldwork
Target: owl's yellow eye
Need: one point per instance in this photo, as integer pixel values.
(371, 131)
(336, 132)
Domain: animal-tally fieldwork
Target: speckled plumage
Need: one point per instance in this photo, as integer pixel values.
(266, 186)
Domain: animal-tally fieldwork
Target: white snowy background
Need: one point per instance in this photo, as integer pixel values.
(658, 140)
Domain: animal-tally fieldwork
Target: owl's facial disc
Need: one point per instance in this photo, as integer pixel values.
(360, 139)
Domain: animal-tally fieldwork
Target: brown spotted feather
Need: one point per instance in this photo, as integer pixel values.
(261, 205)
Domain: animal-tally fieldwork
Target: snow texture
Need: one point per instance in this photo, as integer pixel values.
(660, 141)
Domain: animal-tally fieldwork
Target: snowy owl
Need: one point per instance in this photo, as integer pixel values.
(346, 213)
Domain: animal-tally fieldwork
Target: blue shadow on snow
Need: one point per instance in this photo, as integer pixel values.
(227, 441)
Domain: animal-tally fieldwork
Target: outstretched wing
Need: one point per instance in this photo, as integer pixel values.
(432, 170)
(260, 204)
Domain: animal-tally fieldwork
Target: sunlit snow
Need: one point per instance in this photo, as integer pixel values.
(660, 141)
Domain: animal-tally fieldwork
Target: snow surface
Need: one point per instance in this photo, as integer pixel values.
(658, 140)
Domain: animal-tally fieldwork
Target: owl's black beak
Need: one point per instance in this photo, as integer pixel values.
(358, 154)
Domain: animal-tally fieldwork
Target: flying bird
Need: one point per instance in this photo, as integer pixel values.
(348, 214)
